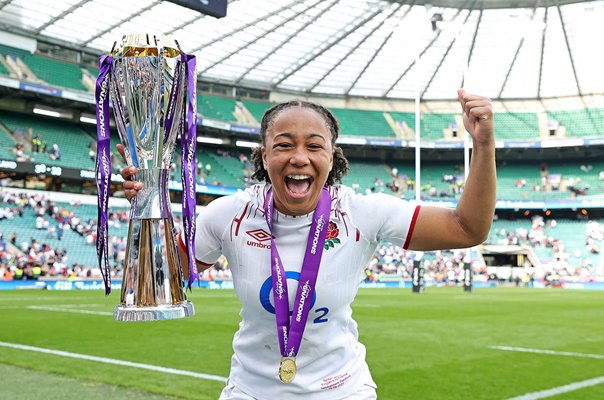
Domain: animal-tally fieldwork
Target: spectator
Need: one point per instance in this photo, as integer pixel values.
(55, 153)
(36, 143)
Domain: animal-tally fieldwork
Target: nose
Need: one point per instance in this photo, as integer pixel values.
(299, 157)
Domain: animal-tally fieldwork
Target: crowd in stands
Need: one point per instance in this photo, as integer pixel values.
(33, 257)
(566, 262)
(27, 139)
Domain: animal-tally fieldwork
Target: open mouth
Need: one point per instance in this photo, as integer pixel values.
(298, 186)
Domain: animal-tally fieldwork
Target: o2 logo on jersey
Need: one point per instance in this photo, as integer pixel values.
(267, 288)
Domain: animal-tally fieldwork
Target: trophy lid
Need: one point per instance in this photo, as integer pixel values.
(144, 44)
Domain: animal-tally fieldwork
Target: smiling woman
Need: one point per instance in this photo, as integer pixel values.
(297, 154)
(316, 238)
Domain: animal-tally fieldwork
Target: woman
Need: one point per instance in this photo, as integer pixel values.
(300, 229)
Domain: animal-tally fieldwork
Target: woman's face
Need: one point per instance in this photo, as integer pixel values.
(298, 157)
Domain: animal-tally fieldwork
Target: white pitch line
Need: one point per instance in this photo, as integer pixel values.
(114, 361)
(560, 389)
(59, 309)
(551, 352)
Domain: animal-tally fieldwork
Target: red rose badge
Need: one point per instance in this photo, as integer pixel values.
(331, 239)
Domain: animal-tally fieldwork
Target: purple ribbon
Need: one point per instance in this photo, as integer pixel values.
(290, 333)
(188, 135)
(172, 103)
(103, 167)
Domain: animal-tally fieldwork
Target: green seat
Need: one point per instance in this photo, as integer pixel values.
(5, 145)
(364, 174)
(73, 141)
(516, 126)
(363, 123)
(401, 117)
(256, 108)
(219, 108)
(55, 72)
(584, 122)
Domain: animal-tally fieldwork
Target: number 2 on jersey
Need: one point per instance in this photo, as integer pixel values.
(322, 313)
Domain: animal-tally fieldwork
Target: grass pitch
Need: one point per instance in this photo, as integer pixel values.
(436, 345)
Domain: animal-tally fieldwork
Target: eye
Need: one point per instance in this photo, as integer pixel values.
(315, 146)
(282, 145)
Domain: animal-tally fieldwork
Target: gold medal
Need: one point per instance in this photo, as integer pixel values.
(287, 370)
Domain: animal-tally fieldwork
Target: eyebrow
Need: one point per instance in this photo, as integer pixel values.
(289, 135)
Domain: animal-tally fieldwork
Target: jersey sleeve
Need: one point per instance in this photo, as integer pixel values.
(211, 223)
(384, 217)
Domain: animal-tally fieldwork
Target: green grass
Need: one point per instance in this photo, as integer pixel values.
(429, 346)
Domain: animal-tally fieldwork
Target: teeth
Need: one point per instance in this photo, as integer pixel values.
(298, 177)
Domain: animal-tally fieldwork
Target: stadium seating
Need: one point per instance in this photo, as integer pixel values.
(5, 145)
(256, 108)
(25, 228)
(219, 108)
(516, 125)
(12, 51)
(365, 173)
(363, 123)
(226, 170)
(3, 69)
(407, 118)
(433, 125)
(55, 72)
(585, 122)
(73, 141)
(509, 174)
(571, 233)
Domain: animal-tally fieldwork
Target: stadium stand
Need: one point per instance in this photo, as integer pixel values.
(55, 72)
(219, 108)
(404, 118)
(433, 125)
(515, 125)
(585, 122)
(363, 123)
(73, 141)
(12, 51)
(256, 108)
(368, 176)
(6, 143)
(570, 243)
(3, 69)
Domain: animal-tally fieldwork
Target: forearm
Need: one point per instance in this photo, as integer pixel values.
(477, 204)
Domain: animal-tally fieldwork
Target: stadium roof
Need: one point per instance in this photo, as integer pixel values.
(375, 48)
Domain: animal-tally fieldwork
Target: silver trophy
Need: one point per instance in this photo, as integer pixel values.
(147, 85)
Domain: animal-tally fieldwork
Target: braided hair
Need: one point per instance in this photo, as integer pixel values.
(340, 164)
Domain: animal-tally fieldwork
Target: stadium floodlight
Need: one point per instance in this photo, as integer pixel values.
(209, 140)
(243, 143)
(48, 113)
(87, 120)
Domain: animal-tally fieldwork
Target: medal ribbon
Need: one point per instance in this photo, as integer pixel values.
(103, 167)
(188, 136)
(290, 333)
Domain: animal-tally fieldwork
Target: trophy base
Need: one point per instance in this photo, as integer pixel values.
(157, 313)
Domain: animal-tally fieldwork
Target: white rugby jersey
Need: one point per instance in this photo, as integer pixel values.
(331, 361)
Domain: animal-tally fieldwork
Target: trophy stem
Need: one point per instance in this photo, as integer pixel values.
(152, 286)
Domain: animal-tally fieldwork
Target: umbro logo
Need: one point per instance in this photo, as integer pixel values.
(259, 236)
